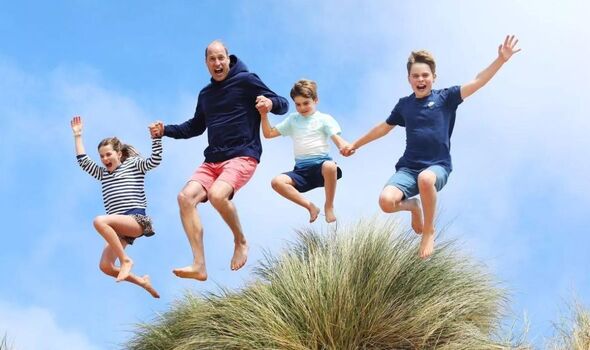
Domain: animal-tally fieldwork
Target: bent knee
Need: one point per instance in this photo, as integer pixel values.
(100, 221)
(426, 179)
(217, 198)
(278, 182)
(185, 200)
(106, 267)
(387, 203)
(329, 167)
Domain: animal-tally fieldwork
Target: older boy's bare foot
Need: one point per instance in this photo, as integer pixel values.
(240, 256)
(147, 285)
(416, 210)
(313, 212)
(125, 269)
(198, 272)
(426, 245)
(330, 216)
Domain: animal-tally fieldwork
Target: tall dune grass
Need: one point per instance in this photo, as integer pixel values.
(573, 331)
(362, 287)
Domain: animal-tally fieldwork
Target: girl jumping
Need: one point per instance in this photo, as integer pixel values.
(122, 178)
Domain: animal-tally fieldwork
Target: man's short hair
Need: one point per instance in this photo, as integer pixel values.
(213, 42)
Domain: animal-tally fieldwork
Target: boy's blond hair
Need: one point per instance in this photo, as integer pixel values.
(421, 56)
(305, 88)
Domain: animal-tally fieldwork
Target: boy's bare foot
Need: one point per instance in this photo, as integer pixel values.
(147, 285)
(198, 272)
(330, 216)
(416, 210)
(426, 245)
(240, 256)
(125, 269)
(313, 212)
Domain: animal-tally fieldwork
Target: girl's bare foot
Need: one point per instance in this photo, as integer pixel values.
(240, 255)
(427, 245)
(416, 210)
(147, 285)
(125, 269)
(313, 212)
(330, 216)
(198, 272)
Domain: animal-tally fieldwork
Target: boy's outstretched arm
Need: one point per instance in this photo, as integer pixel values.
(378, 131)
(339, 142)
(76, 124)
(505, 51)
(268, 131)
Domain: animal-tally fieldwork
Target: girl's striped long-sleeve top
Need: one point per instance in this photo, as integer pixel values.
(123, 189)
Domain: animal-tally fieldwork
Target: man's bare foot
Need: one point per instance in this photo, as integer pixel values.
(416, 210)
(426, 245)
(313, 212)
(147, 285)
(198, 272)
(330, 216)
(125, 269)
(240, 255)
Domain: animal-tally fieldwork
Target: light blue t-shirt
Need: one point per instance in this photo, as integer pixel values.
(310, 136)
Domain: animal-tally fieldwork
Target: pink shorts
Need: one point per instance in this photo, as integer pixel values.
(236, 172)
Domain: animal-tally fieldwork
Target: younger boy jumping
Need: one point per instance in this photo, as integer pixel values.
(314, 167)
(428, 116)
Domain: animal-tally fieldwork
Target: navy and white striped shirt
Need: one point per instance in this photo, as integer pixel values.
(123, 189)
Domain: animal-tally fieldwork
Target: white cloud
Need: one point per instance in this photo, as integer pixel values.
(34, 328)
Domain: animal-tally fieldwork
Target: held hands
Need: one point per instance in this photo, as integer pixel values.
(263, 104)
(347, 150)
(76, 124)
(156, 129)
(507, 49)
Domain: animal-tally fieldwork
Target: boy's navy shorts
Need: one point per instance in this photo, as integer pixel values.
(309, 177)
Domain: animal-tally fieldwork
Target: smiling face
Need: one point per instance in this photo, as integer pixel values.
(305, 106)
(217, 61)
(421, 79)
(109, 157)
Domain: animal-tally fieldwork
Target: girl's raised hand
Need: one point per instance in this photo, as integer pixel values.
(76, 124)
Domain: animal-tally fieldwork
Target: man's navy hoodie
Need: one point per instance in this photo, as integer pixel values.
(227, 110)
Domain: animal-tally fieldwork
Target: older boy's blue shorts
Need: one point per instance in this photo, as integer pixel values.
(406, 180)
(309, 177)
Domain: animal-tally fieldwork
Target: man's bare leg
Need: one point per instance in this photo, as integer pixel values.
(192, 194)
(330, 174)
(391, 201)
(107, 265)
(285, 186)
(219, 195)
(426, 186)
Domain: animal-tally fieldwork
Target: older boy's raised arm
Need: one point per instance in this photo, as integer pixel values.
(505, 51)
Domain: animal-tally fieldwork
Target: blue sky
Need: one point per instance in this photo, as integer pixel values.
(517, 199)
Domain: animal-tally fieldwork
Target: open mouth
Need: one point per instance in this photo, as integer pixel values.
(218, 70)
(421, 87)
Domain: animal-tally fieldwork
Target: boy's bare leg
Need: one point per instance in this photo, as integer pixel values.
(330, 172)
(192, 193)
(391, 201)
(285, 186)
(109, 227)
(107, 265)
(426, 186)
(219, 195)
